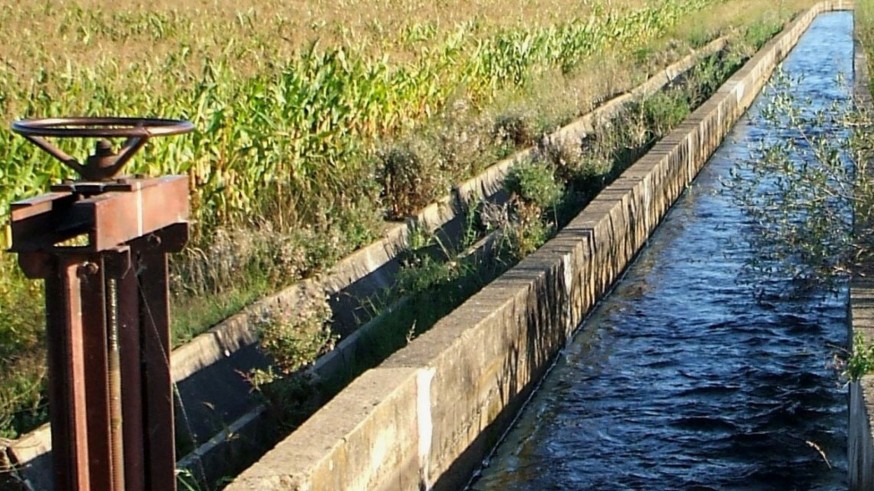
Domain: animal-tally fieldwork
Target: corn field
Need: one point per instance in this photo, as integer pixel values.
(301, 127)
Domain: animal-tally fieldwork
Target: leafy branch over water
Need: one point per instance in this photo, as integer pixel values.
(809, 194)
(800, 187)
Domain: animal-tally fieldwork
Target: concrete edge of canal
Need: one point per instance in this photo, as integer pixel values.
(860, 440)
(427, 416)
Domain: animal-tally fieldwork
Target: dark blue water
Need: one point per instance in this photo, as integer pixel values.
(682, 378)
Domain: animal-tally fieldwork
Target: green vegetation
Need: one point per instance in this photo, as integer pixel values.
(292, 340)
(545, 193)
(810, 195)
(859, 361)
(309, 118)
(807, 194)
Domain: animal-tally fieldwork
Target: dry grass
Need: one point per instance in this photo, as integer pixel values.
(86, 33)
(62, 35)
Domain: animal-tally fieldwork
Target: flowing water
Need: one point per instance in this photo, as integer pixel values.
(682, 378)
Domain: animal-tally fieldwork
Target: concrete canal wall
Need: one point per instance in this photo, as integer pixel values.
(860, 439)
(426, 417)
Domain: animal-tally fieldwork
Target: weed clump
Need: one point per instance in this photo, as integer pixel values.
(425, 273)
(513, 129)
(406, 183)
(292, 341)
(859, 362)
(664, 111)
(460, 136)
(564, 156)
(534, 185)
(535, 194)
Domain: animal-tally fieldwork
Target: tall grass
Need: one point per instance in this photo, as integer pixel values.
(296, 134)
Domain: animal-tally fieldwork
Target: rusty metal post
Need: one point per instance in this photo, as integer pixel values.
(101, 245)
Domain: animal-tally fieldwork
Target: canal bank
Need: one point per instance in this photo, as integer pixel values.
(427, 416)
(860, 437)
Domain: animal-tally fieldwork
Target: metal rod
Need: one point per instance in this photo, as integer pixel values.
(115, 407)
(76, 369)
(63, 435)
(66, 365)
(55, 152)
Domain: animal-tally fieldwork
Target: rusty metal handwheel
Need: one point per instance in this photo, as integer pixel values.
(104, 164)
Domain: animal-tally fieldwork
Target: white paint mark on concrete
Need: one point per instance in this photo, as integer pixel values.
(426, 425)
(568, 267)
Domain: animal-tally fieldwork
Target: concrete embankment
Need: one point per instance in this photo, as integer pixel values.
(860, 438)
(426, 417)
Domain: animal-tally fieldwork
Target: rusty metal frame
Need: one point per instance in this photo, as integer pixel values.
(101, 248)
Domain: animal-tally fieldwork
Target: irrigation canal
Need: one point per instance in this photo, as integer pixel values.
(683, 378)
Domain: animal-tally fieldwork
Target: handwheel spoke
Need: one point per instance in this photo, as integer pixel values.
(131, 146)
(55, 152)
